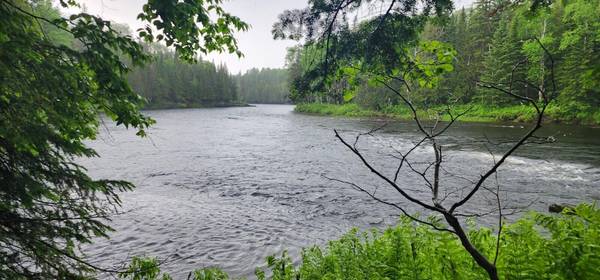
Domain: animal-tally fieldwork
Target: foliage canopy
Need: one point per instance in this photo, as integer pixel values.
(51, 94)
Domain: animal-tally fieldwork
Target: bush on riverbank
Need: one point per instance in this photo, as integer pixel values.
(537, 246)
(477, 112)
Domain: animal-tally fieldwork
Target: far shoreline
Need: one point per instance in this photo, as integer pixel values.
(195, 106)
(482, 114)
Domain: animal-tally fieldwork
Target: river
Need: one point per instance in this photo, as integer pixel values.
(229, 186)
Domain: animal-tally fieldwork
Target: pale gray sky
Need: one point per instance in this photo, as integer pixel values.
(260, 50)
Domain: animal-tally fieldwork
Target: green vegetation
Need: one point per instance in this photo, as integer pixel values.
(57, 74)
(537, 246)
(169, 82)
(493, 41)
(264, 86)
(476, 113)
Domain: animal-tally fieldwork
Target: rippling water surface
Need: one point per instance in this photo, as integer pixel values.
(227, 187)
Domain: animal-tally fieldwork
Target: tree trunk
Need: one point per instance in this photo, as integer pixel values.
(480, 259)
(542, 66)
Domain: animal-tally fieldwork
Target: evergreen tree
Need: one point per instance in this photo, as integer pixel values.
(579, 44)
(504, 62)
(51, 93)
(264, 86)
(169, 82)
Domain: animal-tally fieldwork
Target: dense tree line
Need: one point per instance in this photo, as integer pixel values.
(490, 39)
(264, 86)
(168, 82)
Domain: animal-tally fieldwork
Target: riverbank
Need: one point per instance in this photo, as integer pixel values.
(167, 106)
(477, 113)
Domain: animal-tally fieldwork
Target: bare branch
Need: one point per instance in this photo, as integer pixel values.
(409, 104)
(372, 195)
(390, 182)
(404, 156)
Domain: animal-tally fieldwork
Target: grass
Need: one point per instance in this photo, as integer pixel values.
(476, 113)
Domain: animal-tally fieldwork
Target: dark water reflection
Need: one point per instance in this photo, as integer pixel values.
(227, 187)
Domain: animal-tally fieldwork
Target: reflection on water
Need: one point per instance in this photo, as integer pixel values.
(227, 187)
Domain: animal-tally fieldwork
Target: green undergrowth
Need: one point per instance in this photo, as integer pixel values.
(476, 112)
(537, 246)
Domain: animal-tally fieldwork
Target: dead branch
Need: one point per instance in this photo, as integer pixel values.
(372, 195)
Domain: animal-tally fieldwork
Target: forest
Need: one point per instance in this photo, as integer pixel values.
(168, 82)
(264, 86)
(488, 39)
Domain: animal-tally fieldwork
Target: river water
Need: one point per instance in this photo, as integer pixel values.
(227, 187)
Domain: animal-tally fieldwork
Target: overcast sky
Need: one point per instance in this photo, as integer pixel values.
(260, 50)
